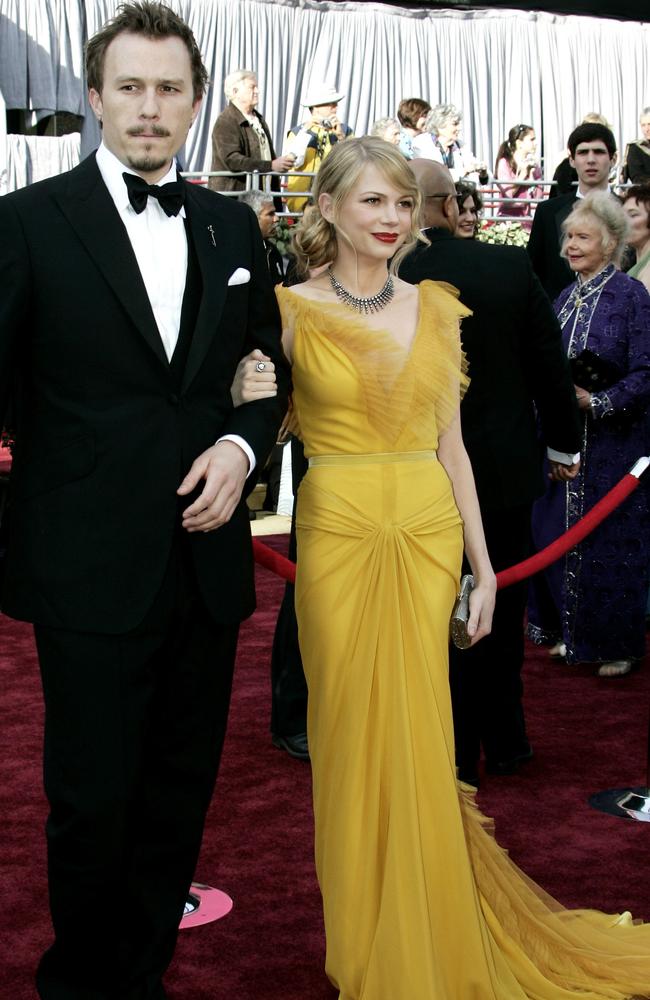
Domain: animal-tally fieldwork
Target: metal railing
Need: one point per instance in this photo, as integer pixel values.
(491, 193)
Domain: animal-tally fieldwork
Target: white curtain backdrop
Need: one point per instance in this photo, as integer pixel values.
(500, 67)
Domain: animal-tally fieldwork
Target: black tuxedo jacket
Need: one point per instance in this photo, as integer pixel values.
(545, 241)
(105, 428)
(516, 364)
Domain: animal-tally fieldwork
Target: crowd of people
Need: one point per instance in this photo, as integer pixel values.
(425, 373)
(241, 142)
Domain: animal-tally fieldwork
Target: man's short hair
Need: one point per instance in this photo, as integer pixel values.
(589, 132)
(256, 200)
(235, 78)
(153, 20)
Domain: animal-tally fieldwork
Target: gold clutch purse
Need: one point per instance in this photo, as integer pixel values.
(460, 614)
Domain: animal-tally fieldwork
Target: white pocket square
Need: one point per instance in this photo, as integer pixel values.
(239, 277)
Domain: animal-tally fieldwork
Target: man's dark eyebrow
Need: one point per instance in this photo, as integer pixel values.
(180, 82)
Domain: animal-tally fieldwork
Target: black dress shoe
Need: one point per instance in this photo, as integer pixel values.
(511, 764)
(296, 746)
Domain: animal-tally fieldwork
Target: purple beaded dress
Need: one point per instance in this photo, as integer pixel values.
(594, 598)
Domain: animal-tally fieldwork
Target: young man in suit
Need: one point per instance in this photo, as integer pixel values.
(592, 153)
(128, 298)
(517, 367)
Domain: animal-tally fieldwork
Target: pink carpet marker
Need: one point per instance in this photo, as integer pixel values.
(204, 905)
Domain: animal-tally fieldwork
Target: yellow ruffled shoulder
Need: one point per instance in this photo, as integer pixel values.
(441, 312)
(416, 385)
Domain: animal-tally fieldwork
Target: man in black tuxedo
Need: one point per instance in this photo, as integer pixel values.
(126, 306)
(592, 153)
(516, 366)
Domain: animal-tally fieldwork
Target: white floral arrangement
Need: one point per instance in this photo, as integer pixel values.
(511, 233)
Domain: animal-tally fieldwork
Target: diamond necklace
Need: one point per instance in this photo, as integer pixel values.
(371, 304)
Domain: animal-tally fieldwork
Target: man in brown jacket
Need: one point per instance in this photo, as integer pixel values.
(241, 139)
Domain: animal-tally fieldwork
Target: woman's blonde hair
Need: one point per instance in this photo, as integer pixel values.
(607, 212)
(315, 240)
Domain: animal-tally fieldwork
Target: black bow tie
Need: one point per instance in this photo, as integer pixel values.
(170, 196)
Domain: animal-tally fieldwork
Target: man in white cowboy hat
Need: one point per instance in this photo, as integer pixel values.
(311, 141)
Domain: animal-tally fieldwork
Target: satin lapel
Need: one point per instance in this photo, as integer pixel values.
(90, 211)
(214, 262)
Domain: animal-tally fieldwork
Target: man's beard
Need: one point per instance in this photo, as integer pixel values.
(147, 163)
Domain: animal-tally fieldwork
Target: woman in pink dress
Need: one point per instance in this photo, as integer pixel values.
(516, 163)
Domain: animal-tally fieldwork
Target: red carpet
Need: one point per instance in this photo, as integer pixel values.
(589, 734)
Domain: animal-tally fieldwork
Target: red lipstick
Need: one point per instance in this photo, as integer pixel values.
(386, 237)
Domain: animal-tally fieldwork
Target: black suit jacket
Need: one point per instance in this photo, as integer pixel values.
(105, 432)
(516, 364)
(638, 162)
(544, 244)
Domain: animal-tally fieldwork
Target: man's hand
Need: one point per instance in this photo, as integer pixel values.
(560, 473)
(283, 163)
(250, 384)
(224, 468)
(583, 397)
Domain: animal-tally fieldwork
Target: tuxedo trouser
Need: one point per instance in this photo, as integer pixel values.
(134, 726)
(486, 685)
(288, 684)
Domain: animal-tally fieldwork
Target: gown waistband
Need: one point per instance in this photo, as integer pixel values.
(374, 458)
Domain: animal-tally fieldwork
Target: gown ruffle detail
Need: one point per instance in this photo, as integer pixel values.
(398, 384)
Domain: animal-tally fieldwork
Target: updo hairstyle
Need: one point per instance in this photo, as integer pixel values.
(315, 239)
(606, 211)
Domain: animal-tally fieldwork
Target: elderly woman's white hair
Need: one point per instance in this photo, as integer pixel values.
(234, 78)
(440, 115)
(381, 126)
(607, 212)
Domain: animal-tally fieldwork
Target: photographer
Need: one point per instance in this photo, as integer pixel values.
(310, 142)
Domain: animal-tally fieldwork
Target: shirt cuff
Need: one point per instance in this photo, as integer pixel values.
(245, 447)
(563, 457)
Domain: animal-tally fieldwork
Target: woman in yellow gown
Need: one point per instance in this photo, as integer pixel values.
(420, 903)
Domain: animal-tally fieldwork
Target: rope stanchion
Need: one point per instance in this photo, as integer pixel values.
(270, 559)
(579, 531)
(283, 567)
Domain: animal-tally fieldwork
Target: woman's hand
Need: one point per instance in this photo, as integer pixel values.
(249, 383)
(583, 397)
(481, 607)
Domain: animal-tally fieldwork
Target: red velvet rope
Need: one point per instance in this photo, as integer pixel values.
(286, 569)
(570, 538)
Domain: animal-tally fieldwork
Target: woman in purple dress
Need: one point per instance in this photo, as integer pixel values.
(592, 602)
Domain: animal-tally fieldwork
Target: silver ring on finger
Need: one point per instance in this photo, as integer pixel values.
(260, 366)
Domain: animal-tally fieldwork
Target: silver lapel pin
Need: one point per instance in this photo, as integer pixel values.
(211, 231)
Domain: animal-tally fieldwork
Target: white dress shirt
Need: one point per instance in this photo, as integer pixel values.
(159, 243)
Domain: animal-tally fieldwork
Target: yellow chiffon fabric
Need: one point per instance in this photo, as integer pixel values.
(420, 902)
